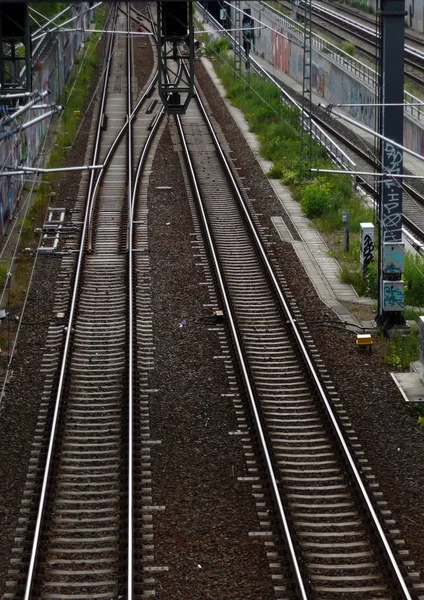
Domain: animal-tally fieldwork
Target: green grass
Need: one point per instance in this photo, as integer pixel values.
(17, 288)
(413, 277)
(74, 96)
(402, 350)
(349, 48)
(49, 10)
(4, 270)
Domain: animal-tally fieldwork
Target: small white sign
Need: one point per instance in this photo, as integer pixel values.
(393, 260)
(393, 296)
(367, 245)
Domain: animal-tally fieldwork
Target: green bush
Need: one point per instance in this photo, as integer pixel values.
(289, 177)
(372, 280)
(316, 199)
(349, 48)
(414, 279)
(220, 47)
(354, 277)
(275, 172)
(402, 350)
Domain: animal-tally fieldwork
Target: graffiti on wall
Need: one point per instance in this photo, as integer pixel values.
(22, 149)
(318, 79)
(393, 296)
(392, 195)
(360, 98)
(280, 50)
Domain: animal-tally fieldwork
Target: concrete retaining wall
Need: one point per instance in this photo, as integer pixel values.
(334, 77)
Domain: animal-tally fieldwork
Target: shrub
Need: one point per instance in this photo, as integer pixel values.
(349, 48)
(289, 177)
(402, 350)
(316, 199)
(275, 172)
(354, 277)
(414, 279)
(372, 280)
(220, 47)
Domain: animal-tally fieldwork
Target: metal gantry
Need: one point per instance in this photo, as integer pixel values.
(15, 48)
(175, 46)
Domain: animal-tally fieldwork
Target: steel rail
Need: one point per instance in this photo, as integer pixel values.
(131, 328)
(242, 363)
(59, 393)
(132, 191)
(130, 482)
(311, 368)
(110, 153)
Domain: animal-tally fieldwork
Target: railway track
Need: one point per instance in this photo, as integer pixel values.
(84, 523)
(95, 528)
(319, 495)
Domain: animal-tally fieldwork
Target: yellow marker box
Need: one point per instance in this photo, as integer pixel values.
(364, 339)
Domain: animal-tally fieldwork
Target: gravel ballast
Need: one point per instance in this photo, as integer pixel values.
(208, 513)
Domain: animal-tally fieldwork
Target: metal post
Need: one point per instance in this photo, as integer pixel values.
(238, 37)
(305, 126)
(345, 218)
(390, 263)
(28, 53)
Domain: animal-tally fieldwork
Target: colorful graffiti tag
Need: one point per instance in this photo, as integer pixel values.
(281, 50)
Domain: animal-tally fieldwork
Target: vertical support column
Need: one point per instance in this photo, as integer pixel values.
(306, 139)
(391, 294)
(247, 37)
(237, 37)
(28, 53)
